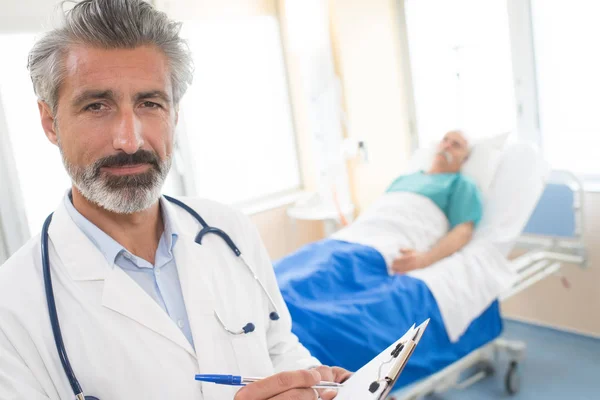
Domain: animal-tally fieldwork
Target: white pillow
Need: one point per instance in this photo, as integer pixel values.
(522, 170)
(481, 165)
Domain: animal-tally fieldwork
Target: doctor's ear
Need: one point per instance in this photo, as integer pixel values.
(48, 122)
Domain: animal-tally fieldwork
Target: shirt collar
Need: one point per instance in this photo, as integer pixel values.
(170, 233)
(109, 247)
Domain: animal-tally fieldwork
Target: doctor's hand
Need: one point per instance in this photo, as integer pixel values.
(409, 260)
(294, 385)
(331, 374)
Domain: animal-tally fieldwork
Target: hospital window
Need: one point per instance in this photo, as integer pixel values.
(461, 66)
(543, 84)
(41, 177)
(568, 82)
(237, 128)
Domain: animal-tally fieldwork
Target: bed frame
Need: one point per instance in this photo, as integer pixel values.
(545, 246)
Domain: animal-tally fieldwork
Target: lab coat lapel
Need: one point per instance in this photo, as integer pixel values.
(198, 267)
(195, 264)
(80, 257)
(195, 268)
(123, 295)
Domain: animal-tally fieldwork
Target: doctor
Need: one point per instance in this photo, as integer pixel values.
(141, 305)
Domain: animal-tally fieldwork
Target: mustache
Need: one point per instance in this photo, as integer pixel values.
(124, 159)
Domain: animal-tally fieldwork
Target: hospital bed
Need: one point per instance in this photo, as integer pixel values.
(345, 307)
(552, 238)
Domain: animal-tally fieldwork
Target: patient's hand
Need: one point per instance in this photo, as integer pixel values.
(409, 260)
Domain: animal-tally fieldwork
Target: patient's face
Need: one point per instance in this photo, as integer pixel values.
(453, 151)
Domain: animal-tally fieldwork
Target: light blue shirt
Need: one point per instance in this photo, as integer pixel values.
(455, 194)
(160, 281)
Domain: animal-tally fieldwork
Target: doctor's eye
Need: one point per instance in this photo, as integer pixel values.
(151, 104)
(95, 107)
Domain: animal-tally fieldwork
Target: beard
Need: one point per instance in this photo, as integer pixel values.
(122, 194)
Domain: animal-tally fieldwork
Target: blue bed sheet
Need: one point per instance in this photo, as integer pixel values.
(346, 309)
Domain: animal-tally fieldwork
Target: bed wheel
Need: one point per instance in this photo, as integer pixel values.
(512, 382)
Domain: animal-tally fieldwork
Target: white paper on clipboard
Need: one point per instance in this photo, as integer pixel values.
(357, 387)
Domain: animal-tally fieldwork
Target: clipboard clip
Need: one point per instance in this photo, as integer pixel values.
(397, 350)
(388, 380)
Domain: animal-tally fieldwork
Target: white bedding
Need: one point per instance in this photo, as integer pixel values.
(397, 220)
(466, 283)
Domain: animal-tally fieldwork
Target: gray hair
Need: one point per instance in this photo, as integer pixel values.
(108, 24)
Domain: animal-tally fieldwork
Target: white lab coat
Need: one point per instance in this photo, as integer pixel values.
(121, 344)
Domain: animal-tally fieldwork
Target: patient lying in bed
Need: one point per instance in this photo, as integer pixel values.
(424, 217)
(347, 307)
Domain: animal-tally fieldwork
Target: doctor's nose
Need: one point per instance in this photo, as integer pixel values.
(127, 136)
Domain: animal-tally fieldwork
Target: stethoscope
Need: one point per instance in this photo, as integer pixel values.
(60, 346)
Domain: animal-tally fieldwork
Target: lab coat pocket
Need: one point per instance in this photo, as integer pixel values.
(252, 354)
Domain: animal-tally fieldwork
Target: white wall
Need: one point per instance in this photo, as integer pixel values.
(201, 9)
(369, 51)
(26, 15)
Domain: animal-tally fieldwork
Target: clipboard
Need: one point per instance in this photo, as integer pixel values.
(375, 380)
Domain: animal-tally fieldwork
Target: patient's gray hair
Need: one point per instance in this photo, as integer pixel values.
(108, 24)
(465, 136)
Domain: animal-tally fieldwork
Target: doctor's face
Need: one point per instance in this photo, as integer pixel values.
(114, 124)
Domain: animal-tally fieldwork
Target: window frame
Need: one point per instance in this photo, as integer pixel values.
(13, 219)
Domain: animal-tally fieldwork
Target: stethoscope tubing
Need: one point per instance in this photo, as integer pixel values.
(53, 313)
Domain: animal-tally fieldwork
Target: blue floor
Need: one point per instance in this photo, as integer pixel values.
(557, 365)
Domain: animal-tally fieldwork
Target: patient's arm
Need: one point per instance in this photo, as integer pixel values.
(454, 240)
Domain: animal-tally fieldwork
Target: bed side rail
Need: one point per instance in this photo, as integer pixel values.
(557, 224)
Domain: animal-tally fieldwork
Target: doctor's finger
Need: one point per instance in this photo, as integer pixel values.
(280, 383)
(326, 375)
(340, 374)
(298, 394)
(328, 394)
(325, 372)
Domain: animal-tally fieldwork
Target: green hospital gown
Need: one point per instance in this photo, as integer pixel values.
(455, 194)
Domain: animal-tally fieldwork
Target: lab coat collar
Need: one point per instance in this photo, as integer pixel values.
(81, 258)
(84, 262)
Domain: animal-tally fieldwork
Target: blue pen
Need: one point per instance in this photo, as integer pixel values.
(236, 380)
